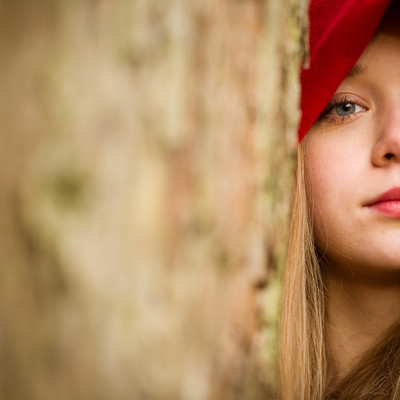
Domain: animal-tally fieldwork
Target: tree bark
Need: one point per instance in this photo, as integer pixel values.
(145, 175)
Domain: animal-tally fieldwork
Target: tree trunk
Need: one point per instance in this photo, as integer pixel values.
(145, 174)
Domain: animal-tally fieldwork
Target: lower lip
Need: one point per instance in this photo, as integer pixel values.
(388, 208)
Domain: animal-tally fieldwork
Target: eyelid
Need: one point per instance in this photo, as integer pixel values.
(343, 98)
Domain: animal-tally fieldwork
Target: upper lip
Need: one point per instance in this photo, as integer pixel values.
(390, 195)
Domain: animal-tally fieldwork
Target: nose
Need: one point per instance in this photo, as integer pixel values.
(386, 149)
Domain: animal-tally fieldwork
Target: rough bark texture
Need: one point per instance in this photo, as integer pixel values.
(145, 172)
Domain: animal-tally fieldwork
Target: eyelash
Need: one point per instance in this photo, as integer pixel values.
(337, 119)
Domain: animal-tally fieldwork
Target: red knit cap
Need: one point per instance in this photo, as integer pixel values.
(339, 32)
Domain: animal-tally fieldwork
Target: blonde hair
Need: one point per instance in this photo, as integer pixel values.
(377, 375)
(303, 363)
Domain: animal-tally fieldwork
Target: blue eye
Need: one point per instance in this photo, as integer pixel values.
(346, 109)
(341, 110)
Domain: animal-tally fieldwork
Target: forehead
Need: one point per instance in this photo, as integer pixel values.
(383, 49)
(382, 54)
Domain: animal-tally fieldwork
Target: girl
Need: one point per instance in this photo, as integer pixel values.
(341, 299)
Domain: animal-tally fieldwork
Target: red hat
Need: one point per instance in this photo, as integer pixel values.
(339, 32)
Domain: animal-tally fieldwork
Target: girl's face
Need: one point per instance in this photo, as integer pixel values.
(352, 164)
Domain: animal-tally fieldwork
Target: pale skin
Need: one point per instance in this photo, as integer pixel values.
(352, 158)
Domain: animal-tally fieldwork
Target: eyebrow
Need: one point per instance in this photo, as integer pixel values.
(358, 69)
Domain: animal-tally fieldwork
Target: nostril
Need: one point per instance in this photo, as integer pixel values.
(389, 156)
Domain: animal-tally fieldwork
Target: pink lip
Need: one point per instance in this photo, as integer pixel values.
(387, 203)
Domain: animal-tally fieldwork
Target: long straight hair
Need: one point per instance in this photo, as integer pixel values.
(377, 375)
(302, 354)
(303, 362)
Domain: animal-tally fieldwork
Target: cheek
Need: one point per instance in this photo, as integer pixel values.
(329, 195)
(318, 186)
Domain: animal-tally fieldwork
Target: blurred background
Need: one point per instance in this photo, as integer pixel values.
(145, 173)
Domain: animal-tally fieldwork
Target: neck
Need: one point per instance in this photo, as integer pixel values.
(358, 312)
